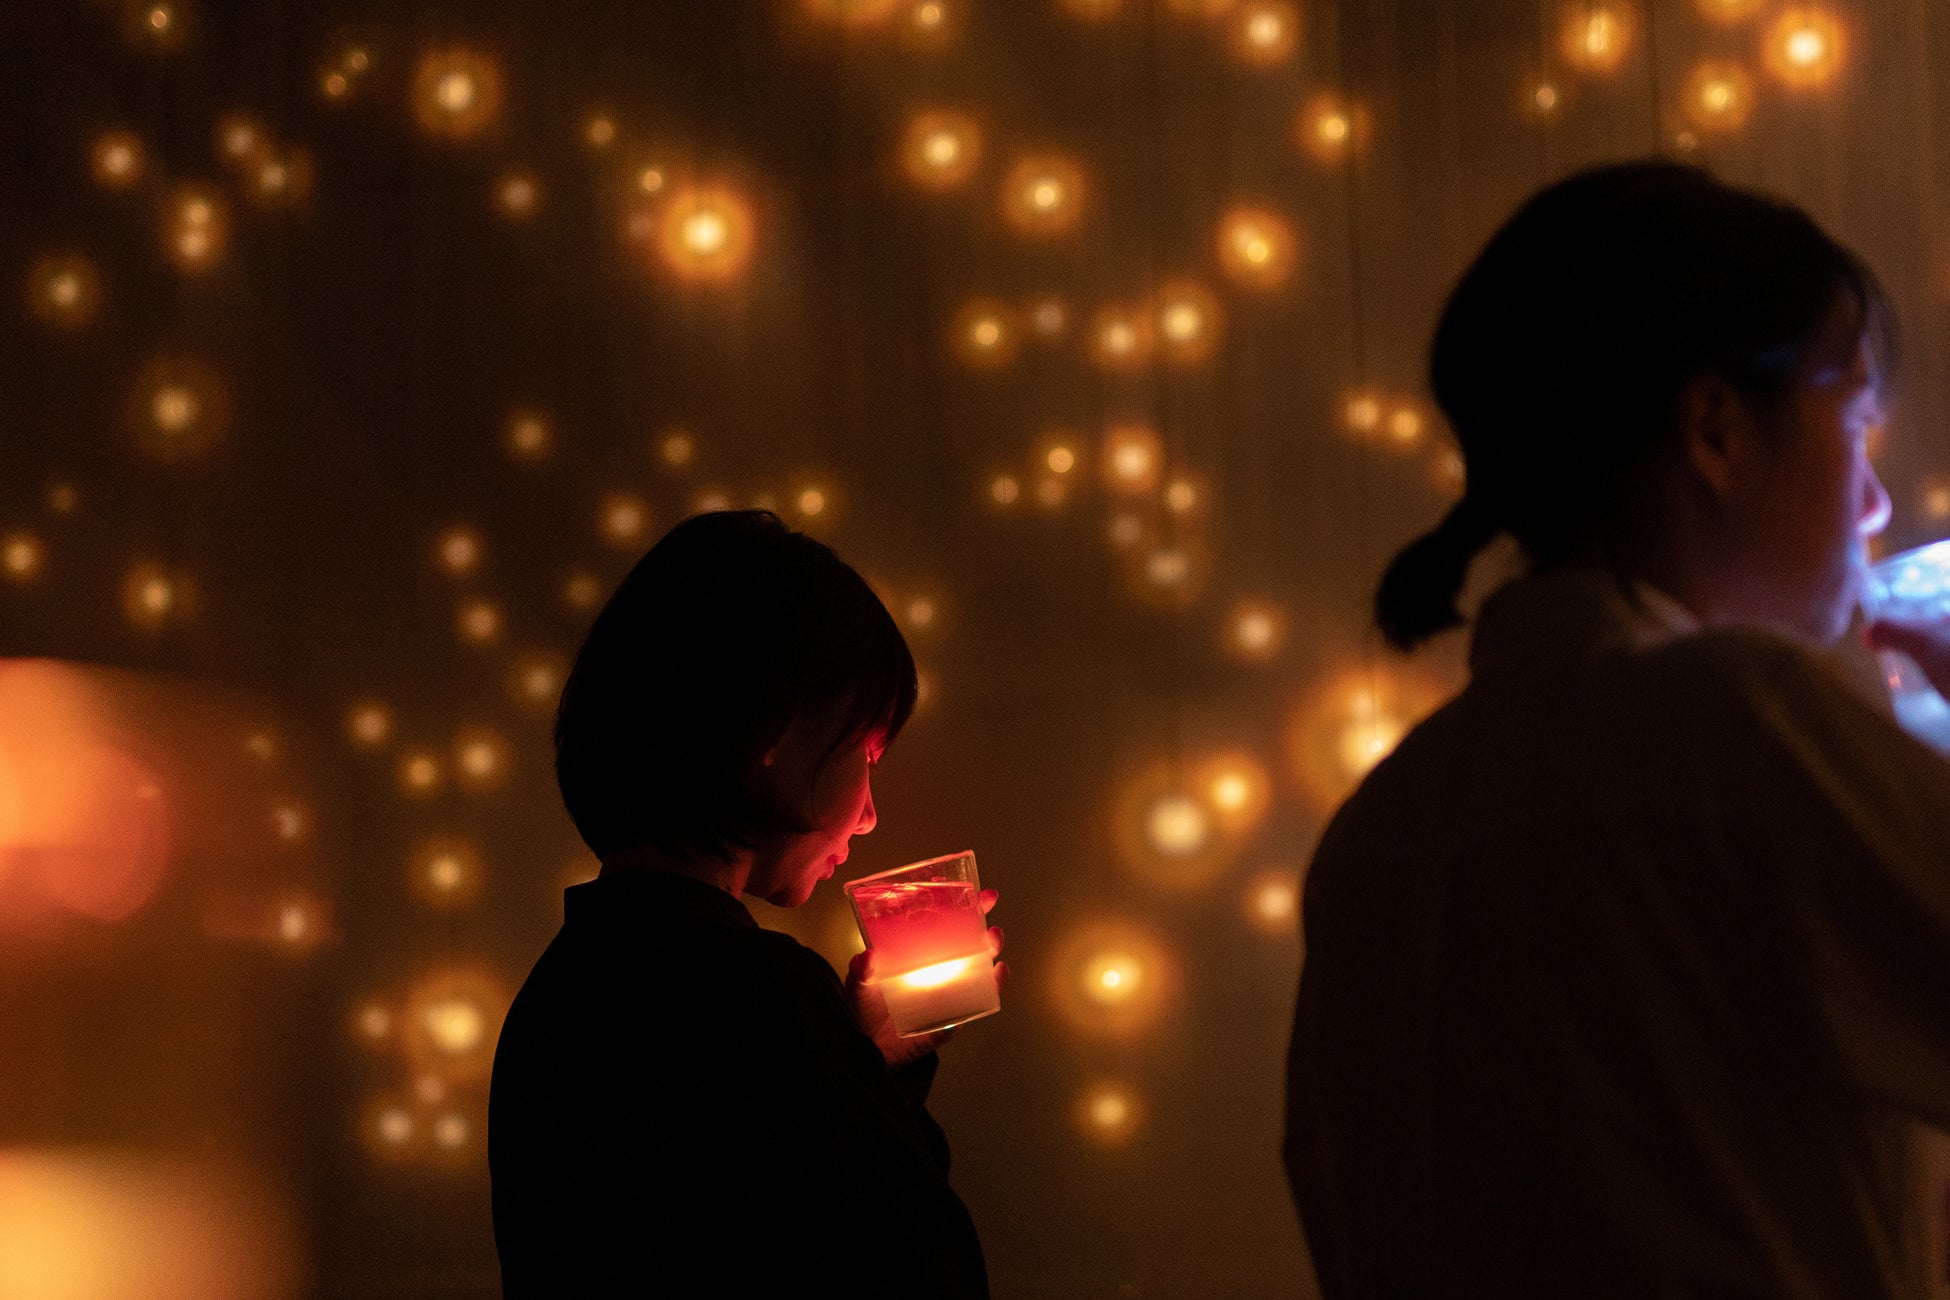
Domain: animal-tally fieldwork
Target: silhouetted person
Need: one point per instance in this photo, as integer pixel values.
(1627, 969)
(684, 1104)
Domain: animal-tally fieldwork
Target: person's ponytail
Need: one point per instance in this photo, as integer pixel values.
(1417, 596)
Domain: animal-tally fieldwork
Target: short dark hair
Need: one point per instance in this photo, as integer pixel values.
(728, 630)
(1561, 353)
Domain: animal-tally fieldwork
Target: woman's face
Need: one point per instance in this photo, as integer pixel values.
(1812, 499)
(833, 792)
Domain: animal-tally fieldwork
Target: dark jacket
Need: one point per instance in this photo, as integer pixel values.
(682, 1105)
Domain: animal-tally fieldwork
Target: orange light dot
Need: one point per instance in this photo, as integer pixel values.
(1595, 37)
(457, 93)
(984, 334)
(1805, 47)
(599, 130)
(1330, 128)
(458, 551)
(529, 436)
(63, 289)
(940, 149)
(420, 772)
(1272, 902)
(1043, 195)
(1265, 32)
(1003, 490)
(1718, 96)
(196, 227)
(1109, 1113)
(116, 160)
(518, 196)
(22, 557)
(479, 622)
(1255, 632)
(624, 520)
(706, 233)
(812, 502)
(1256, 247)
(1132, 459)
(369, 724)
(1061, 460)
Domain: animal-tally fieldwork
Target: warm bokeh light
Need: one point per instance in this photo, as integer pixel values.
(984, 334)
(63, 289)
(1185, 495)
(1061, 455)
(1121, 337)
(390, 1131)
(116, 160)
(1109, 1113)
(102, 1223)
(1361, 413)
(457, 551)
(582, 591)
(1043, 194)
(457, 93)
(452, 1020)
(1255, 631)
(1272, 901)
(1596, 35)
(528, 436)
(535, 679)
(241, 139)
(676, 449)
(706, 233)
(1349, 724)
(1405, 427)
(1004, 489)
(1132, 458)
(482, 757)
(479, 622)
(1263, 33)
(940, 149)
(85, 825)
(1718, 96)
(1112, 978)
(177, 409)
(1543, 98)
(517, 195)
(1934, 497)
(22, 557)
(369, 724)
(599, 130)
(1233, 790)
(154, 597)
(1256, 247)
(1330, 129)
(1805, 47)
(1190, 321)
(420, 773)
(195, 227)
(281, 180)
(623, 518)
(446, 871)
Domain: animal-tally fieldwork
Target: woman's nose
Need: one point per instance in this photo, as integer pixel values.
(868, 819)
(1875, 506)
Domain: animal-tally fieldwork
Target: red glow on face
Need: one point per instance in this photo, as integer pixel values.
(84, 826)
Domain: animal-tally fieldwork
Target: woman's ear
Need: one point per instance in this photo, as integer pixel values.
(1716, 433)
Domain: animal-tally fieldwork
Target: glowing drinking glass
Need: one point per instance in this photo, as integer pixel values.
(924, 923)
(1913, 587)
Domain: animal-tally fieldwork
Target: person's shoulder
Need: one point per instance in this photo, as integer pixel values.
(1742, 670)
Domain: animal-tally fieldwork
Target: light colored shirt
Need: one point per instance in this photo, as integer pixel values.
(1625, 974)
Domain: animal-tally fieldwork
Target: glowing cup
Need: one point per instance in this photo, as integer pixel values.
(925, 925)
(1913, 587)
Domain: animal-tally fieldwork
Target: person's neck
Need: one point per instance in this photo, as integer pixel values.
(728, 876)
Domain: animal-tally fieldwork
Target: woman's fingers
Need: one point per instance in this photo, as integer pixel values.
(1001, 975)
(860, 969)
(987, 899)
(995, 941)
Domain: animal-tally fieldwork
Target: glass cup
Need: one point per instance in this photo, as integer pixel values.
(1913, 587)
(930, 940)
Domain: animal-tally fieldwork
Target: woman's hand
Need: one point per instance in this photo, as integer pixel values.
(870, 1009)
(1928, 644)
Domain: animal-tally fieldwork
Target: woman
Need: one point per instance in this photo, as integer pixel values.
(683, 1103)
(1627, 970)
